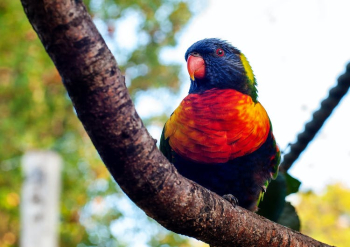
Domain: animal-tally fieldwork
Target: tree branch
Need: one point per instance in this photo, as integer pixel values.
(97, 90)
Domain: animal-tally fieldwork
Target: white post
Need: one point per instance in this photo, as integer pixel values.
(40, 199)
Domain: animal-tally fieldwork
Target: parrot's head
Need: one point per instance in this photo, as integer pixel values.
(214, 63)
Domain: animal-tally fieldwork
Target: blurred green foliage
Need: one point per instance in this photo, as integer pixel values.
(36, 113)
(326, 216)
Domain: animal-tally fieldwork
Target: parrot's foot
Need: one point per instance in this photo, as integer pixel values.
(232, 199)
(155, 141)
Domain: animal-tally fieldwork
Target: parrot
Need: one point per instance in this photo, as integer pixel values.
(220, 136)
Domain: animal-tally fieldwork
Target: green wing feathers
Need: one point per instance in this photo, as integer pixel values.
(165, 147)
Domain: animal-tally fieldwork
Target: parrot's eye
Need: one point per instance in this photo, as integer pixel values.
(220, 52)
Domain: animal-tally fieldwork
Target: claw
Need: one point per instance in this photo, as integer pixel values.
(232, 199)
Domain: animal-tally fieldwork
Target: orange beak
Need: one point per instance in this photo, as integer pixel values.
(196, 67)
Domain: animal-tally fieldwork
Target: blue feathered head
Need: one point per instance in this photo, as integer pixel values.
(214, 63)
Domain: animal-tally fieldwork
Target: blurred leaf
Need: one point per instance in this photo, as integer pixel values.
(274, 199)
(274, 205)
(289, 217)
(293, 184)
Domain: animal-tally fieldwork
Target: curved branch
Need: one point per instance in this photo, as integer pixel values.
(97, 90)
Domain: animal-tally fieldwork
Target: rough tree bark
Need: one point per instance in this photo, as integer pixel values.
(97, 89)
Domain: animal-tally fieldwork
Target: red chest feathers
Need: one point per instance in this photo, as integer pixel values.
(216, 126)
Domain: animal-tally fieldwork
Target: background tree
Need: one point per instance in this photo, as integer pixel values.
(326, 215)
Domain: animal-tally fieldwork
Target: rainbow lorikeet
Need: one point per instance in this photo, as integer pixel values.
(220, 136)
